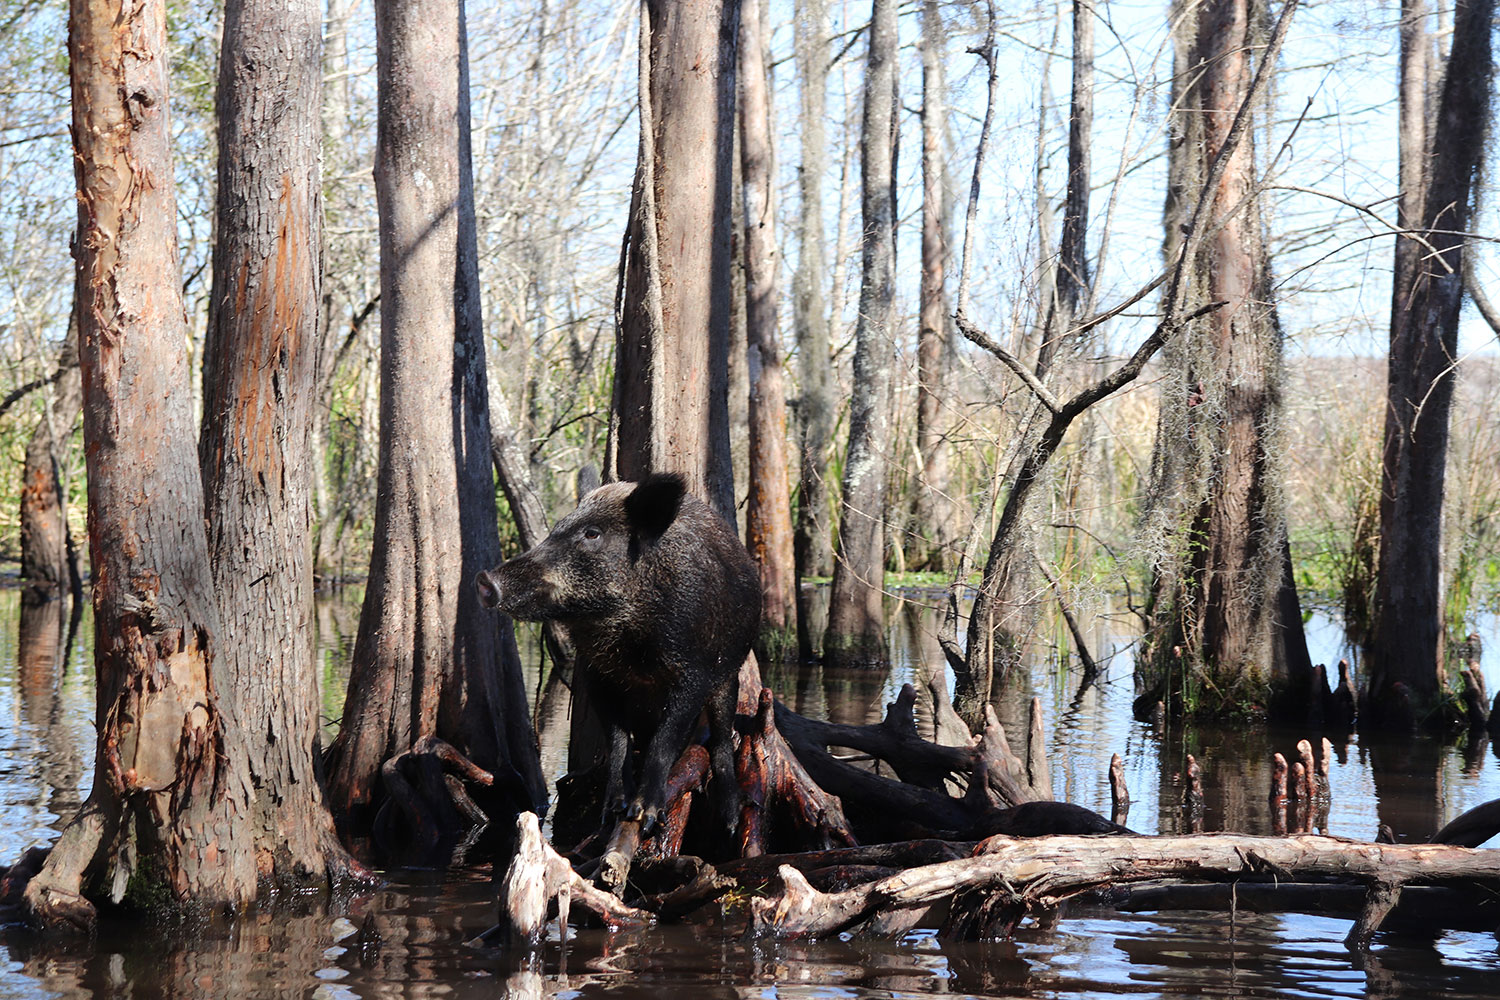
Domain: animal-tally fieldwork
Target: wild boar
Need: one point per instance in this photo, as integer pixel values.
(662, 603)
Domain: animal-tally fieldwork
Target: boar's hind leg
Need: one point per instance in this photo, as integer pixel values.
(726, 786)
(617, 772)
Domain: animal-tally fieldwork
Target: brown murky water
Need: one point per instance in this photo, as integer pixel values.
(408, 938)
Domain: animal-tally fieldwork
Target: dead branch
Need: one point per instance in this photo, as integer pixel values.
(537, 877)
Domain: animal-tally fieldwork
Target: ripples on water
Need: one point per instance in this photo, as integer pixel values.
(408, 938)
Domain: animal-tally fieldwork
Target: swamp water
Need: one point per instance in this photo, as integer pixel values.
(407, 938)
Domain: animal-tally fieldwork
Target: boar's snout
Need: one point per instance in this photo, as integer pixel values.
(489, 589)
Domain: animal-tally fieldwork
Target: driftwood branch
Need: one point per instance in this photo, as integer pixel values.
(1041, 873)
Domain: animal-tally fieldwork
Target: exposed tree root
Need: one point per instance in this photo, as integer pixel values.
(427, 803)
(775, 791)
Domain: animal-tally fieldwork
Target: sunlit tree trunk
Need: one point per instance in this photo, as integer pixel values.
(768, 516)
(258, 380)
(428, 660)
(1406, 651)
(168, 821)
(813, 546)
(855, 618)
(672, 368)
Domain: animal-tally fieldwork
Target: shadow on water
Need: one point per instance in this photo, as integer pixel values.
(408, 938)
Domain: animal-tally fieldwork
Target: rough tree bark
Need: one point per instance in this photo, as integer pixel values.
(813, 545)
(671, 410)
(255, 450)
(1216, 479)
(768, 513)
(1407, 643)
(167, 822)
(428, 661)
(856, 623)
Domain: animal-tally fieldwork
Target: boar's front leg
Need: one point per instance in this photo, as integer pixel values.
(684, 704)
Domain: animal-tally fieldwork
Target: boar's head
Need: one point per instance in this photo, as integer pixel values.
(586, 567)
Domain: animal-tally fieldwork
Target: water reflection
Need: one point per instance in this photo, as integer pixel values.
(409, 938)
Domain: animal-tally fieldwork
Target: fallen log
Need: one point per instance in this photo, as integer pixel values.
(1039, 874)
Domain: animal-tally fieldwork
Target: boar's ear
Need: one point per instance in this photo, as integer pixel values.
(652, 506)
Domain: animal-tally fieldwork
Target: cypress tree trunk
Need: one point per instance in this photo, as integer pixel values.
(428, 660)
(1218, 636)
(768, 513)
(168, 821)
(1406, 651)
(813, 546)
(258, 381)
(49, 561)
(672, 368)
(932, 510)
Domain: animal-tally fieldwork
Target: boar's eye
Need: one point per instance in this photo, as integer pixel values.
(591, 533)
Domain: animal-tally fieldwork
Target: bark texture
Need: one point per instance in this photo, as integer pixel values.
(768, 512)
(856, 621)
(672, 361)
(428, 660)
(1407, 642)
(167, 823)
(258, 380)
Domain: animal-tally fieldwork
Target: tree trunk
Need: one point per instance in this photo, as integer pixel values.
(1406, 654)
(428, 660)
(932, 509)
(813, 546)
(258, 380)
(672, 369)
(856, 621)
(768, 514)
(1215, 471)
(49, 561)
(167, 821)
